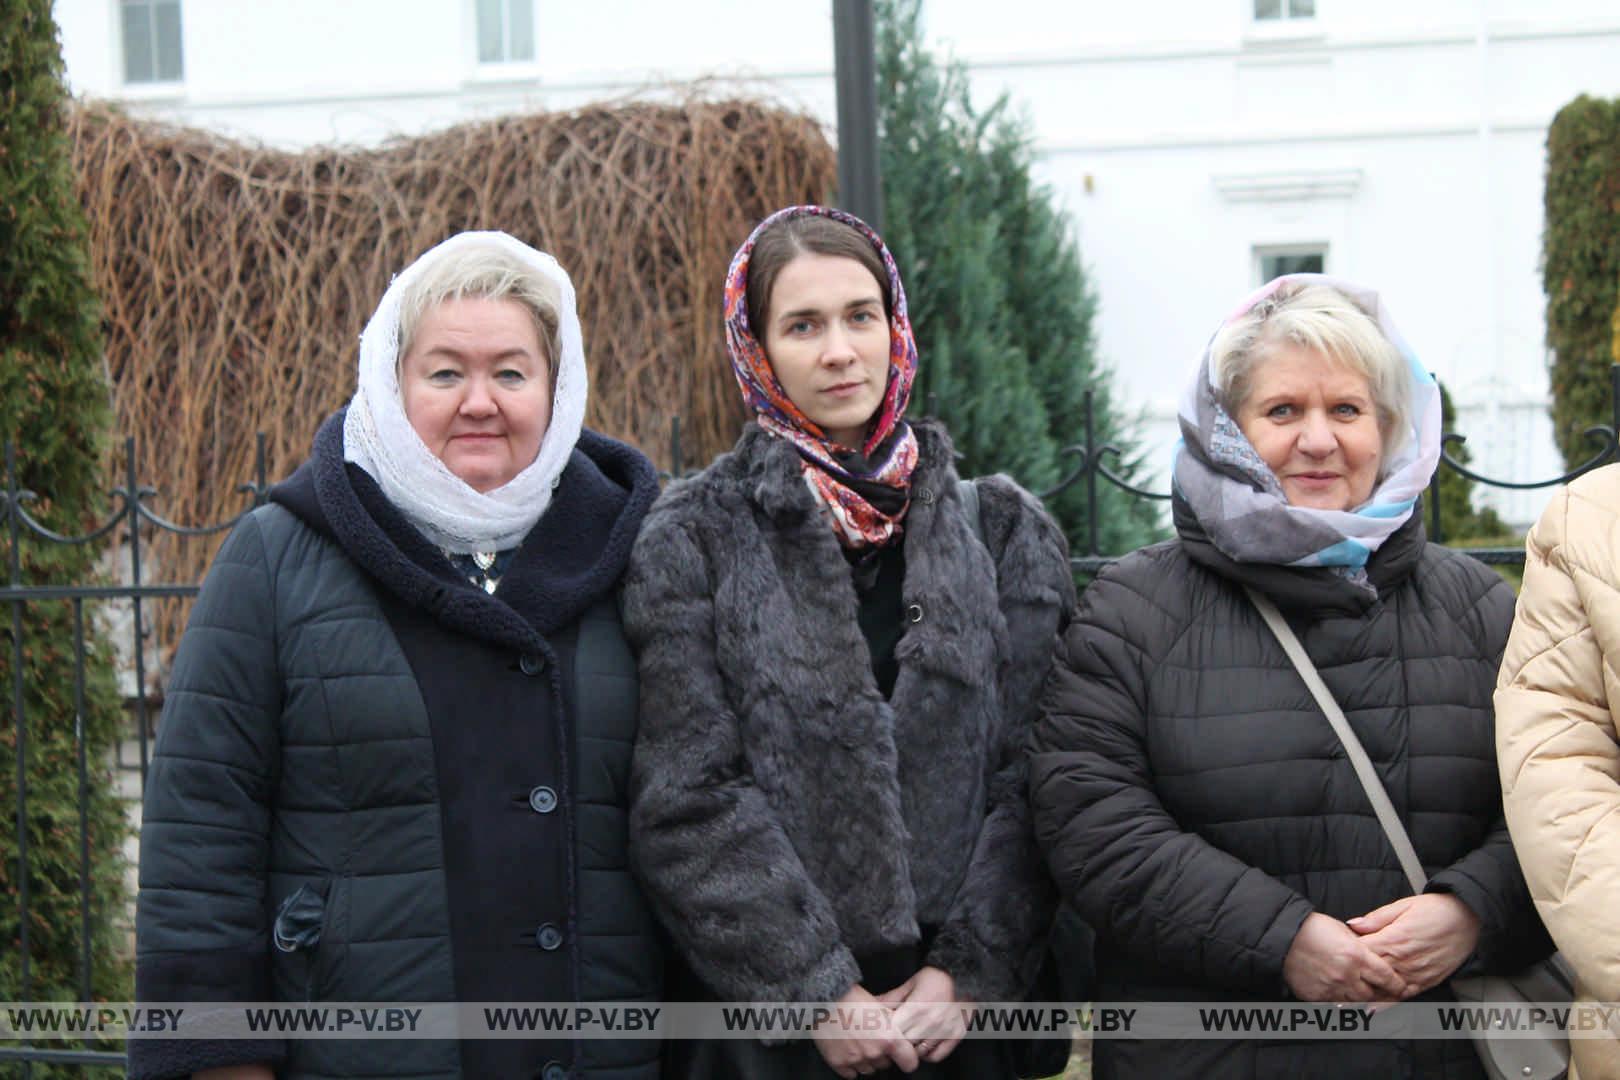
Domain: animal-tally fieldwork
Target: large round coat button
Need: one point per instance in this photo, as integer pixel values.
(542, 800)
(553, 1071)
(530, 664)
(548, 937)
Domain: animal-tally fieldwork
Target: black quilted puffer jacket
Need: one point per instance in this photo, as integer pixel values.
(1195, 806)
(375, 782)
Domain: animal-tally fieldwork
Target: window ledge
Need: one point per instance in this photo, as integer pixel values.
(1289, 186)
(1283, 33)
(153, 91)
(495, 73)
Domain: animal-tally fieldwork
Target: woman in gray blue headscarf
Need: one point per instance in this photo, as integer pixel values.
(1193, 802)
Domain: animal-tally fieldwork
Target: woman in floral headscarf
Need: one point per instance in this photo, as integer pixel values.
(1194, 803)
(840, 645)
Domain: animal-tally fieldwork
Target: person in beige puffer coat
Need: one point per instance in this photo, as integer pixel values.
(1557, 745)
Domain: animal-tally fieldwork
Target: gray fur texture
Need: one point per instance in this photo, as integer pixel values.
(785, 816)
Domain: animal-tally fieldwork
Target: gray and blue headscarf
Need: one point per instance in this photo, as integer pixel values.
(1238, 500)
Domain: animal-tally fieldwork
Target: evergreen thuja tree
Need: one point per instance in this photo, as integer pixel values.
(935, 175)
(999, 299)
(1053, 328)
(54, 408)
(1580, 266)
(1460, 520)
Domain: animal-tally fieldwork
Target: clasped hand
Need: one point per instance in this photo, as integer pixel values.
(1390, 954)
(923, 1021)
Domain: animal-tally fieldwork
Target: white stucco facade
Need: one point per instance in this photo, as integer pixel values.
(1402, 141)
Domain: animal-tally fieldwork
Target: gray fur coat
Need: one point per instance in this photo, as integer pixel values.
(785, 816)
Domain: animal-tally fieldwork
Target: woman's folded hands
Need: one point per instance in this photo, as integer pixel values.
(919, 1020)
(928, 1012)
(850, 1049)
(1329, 961)
(1390, 954)
(1424, 938)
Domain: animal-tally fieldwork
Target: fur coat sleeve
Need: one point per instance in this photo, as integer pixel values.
(992, 939)
(711, 854)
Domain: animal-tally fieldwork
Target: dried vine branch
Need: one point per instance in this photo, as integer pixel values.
(236, 279)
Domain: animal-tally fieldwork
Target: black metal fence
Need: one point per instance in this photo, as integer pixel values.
(1092, 470)
(131, 524)
(135, 521)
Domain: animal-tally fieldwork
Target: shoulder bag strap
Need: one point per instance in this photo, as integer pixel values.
(1387, 817)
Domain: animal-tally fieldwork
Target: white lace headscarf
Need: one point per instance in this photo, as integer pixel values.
(379, 438)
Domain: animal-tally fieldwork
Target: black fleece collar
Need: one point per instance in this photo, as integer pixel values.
(573, 556)
(1309, 589)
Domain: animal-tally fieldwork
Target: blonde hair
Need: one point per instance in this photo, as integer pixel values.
(1325, 320)
(482, 271)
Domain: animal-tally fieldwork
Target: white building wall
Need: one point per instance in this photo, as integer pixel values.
(303, 72)
(1407, 139)
(1180, 135)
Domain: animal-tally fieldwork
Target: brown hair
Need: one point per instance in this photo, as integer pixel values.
(805, 234)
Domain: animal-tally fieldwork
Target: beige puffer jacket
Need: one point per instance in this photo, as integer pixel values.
(1556, 739)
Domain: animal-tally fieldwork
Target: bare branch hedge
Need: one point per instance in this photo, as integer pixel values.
(235, 278)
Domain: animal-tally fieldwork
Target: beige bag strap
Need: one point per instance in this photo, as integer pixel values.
(1387, 817)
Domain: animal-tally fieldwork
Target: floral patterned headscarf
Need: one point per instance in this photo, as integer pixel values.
(866, 492)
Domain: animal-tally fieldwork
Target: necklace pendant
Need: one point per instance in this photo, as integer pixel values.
(490, 583)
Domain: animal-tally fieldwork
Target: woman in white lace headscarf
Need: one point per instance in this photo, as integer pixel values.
(464, 492)
(394, 751)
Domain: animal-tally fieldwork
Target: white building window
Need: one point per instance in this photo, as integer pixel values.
(1277, 260)
(151, 39)
(1285, 9)
(505, 31)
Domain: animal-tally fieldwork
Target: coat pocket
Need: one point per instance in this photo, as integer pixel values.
(296, 934)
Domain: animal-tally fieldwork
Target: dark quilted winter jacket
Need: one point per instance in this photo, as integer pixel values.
(302, 747)
(1195, 806)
